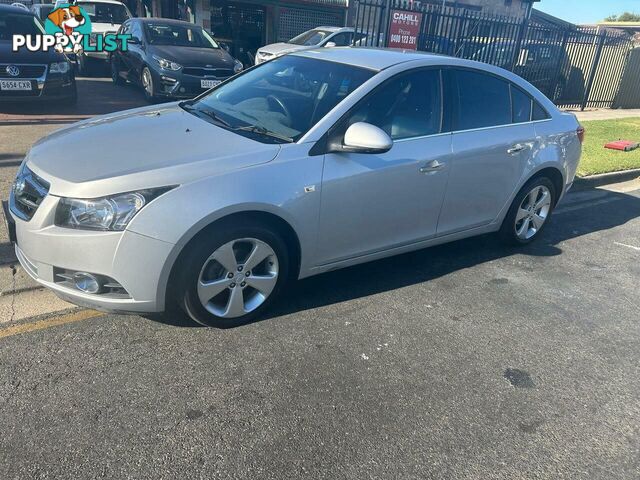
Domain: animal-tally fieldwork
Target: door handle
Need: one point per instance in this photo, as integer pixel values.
(516, 149)
(431, 167)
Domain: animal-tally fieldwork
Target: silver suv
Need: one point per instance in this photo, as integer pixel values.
(311, 162)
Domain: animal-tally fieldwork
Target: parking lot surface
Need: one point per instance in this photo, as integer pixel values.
(464, 361)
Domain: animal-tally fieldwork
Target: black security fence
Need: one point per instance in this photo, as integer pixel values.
(575, 67)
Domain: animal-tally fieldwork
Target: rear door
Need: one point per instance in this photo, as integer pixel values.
(493, 138)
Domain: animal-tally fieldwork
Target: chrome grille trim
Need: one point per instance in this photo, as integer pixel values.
(207, 72)
(27, 194)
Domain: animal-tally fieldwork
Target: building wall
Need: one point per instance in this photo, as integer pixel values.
(510, 8)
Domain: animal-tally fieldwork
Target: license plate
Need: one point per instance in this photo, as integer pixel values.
(209, 83)
(15, 85)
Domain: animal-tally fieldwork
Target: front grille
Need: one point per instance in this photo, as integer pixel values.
(27, 194)
(26, 71)
(207, 72)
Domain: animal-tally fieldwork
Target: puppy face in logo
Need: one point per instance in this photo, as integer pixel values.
(67, 19)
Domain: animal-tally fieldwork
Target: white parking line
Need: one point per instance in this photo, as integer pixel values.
(628, 246)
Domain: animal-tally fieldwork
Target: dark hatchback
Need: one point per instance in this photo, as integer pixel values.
(26, 75)
(171, 59)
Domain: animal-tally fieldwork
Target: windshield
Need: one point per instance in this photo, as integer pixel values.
(105, 12)
(312, 37)
(280, 100)
(18, 24)
(178, 35)
(43, 11)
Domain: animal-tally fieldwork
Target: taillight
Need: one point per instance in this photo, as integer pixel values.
(580, 132)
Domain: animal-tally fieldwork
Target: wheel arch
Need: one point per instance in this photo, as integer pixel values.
(555, 175)
(261, 217)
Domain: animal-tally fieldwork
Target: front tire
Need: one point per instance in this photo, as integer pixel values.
(83, 65)
(115, 72)
(530, 211)
(232, 274)
(146, 80)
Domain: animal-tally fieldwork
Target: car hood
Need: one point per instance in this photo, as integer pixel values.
(141, 148)
(104, 27)
(194, 57)
(7, 55)
(282, 48)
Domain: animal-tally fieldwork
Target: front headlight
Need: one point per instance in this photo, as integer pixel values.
(237, 66)
(59, 67)
(167, 64)
(106, 213)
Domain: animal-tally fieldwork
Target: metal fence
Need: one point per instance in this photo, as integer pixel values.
(575, 67)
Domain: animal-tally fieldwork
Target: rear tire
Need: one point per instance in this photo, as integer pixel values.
(224, 281)
(530, 212)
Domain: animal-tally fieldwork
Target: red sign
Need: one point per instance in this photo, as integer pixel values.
(404, 28)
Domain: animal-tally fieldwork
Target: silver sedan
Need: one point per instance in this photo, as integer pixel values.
(311, 162)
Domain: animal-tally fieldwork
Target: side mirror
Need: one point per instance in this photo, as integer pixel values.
(363, 137)
(329, 45)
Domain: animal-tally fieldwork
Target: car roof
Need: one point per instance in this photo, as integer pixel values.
(18, 10)
(333, 29)
(166, 21)
(368, 57)
(116, 2)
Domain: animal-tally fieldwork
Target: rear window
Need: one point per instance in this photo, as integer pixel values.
(482, 100)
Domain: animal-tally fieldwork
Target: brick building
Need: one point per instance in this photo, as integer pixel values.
(510, 8)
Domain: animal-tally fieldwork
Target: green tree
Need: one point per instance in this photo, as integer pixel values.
(625, 17)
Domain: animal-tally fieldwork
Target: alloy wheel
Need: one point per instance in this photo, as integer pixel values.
(238, 277)
(147, 82)
(533, 212)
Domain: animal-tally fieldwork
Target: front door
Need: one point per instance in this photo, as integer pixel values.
(373, 202)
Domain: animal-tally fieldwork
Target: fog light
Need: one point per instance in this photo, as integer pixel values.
(182, 90)
(86, 282)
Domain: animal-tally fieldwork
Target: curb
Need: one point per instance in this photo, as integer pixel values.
(593, 181)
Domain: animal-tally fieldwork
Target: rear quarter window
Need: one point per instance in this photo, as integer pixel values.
(539, 113)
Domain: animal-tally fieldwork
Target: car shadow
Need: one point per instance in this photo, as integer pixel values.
(431, 263)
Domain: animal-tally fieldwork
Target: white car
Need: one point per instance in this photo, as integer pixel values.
(317, 37)
(106, 17)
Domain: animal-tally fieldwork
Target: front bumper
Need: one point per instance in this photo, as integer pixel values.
(103, 56)
(133, 260)
(51, 88)
(178, 86)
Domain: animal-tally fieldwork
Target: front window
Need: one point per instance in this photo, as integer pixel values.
(18, 24)
(178, 35)
(310, 38)
(279, 101)
(105, 12)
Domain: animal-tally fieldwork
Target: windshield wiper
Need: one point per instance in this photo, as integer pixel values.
(207, 113)
(263, 131)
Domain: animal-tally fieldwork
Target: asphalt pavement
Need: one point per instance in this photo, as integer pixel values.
(464, 361)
